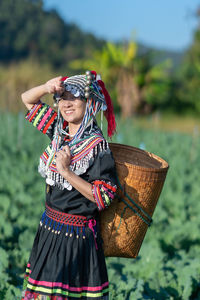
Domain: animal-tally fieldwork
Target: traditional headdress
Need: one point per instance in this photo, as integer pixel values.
(90, 88)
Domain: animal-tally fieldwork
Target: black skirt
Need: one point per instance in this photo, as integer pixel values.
(67, 259)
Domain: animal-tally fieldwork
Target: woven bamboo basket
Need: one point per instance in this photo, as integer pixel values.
(124, 223)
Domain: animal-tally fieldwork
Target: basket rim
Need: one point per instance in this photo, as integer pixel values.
(147, 169)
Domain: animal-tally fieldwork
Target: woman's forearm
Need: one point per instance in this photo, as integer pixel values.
(81, 185)
(33, 95)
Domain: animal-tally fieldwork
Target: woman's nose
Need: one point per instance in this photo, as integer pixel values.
(67, 103)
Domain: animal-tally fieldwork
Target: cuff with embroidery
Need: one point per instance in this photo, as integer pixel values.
(42, 116)
(103, 193)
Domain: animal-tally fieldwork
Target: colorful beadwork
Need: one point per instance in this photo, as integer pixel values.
(54, 220)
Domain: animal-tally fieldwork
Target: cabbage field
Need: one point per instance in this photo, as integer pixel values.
(168, 265)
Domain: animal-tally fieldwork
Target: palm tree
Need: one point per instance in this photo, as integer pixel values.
(136, 81)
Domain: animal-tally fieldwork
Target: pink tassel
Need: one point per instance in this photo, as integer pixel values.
(91, 224)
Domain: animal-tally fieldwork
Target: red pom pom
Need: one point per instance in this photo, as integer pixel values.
(109, 113)
(94, 73)
(63, 78)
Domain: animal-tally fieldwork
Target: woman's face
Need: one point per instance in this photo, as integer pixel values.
(72, 108)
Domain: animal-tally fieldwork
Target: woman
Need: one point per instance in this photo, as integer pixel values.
(67, 259)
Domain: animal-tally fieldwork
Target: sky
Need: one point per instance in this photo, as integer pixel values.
(163, 24)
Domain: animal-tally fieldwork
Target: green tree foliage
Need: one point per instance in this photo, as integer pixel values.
(188, 92)
(139, 85)
(27, 30)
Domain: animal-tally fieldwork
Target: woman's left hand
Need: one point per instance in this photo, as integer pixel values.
(63, 159)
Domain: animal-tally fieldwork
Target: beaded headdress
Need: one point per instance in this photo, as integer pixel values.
(90, 87)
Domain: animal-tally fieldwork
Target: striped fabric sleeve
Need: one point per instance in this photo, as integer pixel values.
(43, 117)
(103, 193)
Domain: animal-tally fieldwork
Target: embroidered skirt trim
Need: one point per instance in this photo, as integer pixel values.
(41, 288)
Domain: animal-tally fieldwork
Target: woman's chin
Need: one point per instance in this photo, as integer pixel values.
(68, 117)
(72, 120)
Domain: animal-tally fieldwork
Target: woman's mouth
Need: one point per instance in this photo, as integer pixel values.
(68, 112)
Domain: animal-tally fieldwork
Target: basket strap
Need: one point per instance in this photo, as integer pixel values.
(149, 219)
(125, 207)
(137, 213)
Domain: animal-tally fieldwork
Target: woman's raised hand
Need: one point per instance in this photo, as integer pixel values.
(54, 85)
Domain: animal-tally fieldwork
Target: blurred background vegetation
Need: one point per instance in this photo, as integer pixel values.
(153, 92)
(36, 44)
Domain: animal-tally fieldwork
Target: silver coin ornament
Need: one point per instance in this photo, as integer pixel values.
(88, 82)
(87, 95)
(88, 73)
(89, 78)
(87, 88)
